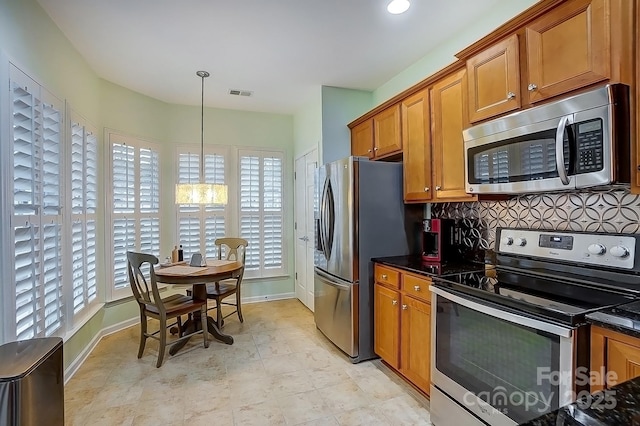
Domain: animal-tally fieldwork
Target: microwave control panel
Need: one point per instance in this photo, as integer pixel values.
(610, 250)
(589, 136)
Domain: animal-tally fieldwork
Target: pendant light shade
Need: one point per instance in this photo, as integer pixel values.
(201, 193)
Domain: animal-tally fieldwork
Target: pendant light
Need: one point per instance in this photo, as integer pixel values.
(201, 192)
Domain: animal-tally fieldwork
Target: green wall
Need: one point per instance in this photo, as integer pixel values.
(307, 126)
(340, 106)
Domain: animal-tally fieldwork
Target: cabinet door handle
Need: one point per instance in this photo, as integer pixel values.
(416, 287)
(404, 307)
(437, 188)
(511, 95)
(368, 150)
(394, 302)
(532, 87)
(384, 276)
(376, 148)
(426, 188)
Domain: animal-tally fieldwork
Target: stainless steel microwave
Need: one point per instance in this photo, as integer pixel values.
(577, 142)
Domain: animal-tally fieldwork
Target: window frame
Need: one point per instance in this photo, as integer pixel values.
(90, 306)
(202, 214)
(114, 136)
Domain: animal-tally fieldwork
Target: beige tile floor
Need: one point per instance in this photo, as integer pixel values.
(279, 371)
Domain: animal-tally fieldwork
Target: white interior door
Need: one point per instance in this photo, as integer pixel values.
(304, 231)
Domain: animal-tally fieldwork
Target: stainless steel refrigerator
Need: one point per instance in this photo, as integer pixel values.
(359, 214)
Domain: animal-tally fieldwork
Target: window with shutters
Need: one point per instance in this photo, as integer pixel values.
(35, 188)
(199, 226)
(261, 211)
(135, 205)
(84, 194)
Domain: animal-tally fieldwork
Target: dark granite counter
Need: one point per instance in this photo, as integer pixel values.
(619, 405)
(624, 318)
(417, 265)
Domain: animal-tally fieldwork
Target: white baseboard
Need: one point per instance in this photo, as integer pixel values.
(75, 365)
(269, 297)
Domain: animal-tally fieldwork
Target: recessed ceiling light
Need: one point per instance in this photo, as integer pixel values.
(398, 6)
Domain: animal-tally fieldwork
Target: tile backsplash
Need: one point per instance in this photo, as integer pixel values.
(612, 210)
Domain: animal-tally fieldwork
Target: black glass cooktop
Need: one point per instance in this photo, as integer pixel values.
(555, 299)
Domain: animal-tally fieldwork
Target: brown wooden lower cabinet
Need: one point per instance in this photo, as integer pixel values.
(613, 352)
(402, 325)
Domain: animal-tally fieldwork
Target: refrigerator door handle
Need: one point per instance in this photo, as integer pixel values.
(327, 214)
(334, 281)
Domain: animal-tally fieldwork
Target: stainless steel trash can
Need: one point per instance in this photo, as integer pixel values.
(32, 383)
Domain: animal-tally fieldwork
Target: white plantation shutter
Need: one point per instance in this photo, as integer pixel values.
(261, 211)
(199, 226)
(135, 197)
(83, 156)
(36, 220)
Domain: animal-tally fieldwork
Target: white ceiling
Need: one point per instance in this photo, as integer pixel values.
(282, 50)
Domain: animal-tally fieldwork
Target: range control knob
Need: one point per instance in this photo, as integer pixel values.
(521, 242)
(507, 241)
(619, 251)
(597, 249)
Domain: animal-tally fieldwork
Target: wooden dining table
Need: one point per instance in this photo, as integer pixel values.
(198, 277)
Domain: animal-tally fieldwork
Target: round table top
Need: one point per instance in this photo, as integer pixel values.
(182, 273)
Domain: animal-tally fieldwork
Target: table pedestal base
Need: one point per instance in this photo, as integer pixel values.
(194, 323)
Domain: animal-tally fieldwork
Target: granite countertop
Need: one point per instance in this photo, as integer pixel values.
(619, 405)
(417, 265)
(624, 318)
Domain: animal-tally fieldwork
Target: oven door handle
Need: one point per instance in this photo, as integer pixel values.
(504, 315)
(565, 121)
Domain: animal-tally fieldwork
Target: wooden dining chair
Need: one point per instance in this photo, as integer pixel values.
(152, 305)
(231, 249)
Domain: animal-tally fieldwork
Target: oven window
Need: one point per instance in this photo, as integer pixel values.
(497, 360)
(525, 158)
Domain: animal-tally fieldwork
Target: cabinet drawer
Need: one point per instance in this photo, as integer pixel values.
(387, 276)
(416, 286)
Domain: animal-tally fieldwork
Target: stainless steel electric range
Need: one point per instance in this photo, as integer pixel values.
(510, 340)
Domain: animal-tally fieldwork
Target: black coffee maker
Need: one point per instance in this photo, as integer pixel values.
(438, 240)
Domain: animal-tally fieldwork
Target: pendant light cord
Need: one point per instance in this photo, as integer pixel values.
(202, 134)
(202, 75)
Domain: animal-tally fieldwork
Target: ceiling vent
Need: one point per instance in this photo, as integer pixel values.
(240, 92)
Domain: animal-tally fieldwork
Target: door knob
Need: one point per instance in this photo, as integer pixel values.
(384, 276)
(394, 302)
(404, 307)
(376, 148)
(416, 287)
(426, 188)
(368, 150)
(511, 95)
(437, 188)
(532, 87)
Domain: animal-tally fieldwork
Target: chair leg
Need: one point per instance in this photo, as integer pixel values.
(163, 340)
(219, 318)
(143, 334)
(238, 307)
(179, 322)
(205, 328)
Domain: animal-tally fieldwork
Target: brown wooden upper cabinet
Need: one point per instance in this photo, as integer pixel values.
(494, 80)
(378, 136)
(448, 119)
(416, 142)
(386, 132)
(362, 139)
(568, 48)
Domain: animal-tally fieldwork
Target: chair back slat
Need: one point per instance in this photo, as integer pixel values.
(235, 248)
(145, 291)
